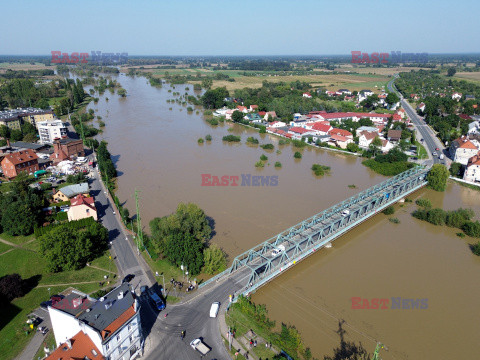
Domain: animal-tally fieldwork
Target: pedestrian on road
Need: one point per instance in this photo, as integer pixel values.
(165, 315)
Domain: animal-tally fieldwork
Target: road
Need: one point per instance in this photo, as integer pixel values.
(431, 141)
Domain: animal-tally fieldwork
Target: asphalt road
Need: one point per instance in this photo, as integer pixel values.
(430, 142)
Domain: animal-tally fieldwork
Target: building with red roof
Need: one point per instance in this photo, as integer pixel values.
(80, 346)
(472, 170)
(462, 149)
(82, 207)
(19, 161)
(321, 128)
(341, 132)
(307, 95)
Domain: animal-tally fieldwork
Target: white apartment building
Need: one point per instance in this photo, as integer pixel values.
(50, 130)
(112, 323)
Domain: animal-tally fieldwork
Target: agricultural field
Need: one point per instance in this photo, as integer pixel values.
(469, 76)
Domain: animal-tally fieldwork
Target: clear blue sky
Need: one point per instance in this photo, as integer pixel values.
(244, 27)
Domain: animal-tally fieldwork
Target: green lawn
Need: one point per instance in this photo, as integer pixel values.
(50, 342)
(19, 240)
(29, 264)
(4, 247)
(421, 152)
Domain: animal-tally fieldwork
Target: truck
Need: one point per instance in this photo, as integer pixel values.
(157, 302)
(441, 156)
(199, 345)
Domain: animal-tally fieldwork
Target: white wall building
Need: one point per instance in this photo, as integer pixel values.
(112, 323)
(50, 130)
(462, 149)
(472, 171)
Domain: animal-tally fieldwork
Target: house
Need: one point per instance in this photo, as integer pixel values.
(67, 149)
(298, 132)
(469, 97)
(473, 127)
(331, 93)
(82, 207)
(270, 114)
(340, 141)
(401, 112)
(80, 346)
(344, 91)
(13, 119)
(51, 130)
(414, 96)
(465, 117)
(307, 95)
(421, 107)
(253, 108)
(396, 117)
(462, 149)
(386, 146)
(366, 128)
(254, 117)
(277, 124)
(262, 113)
(112, 324)
(366, 138)
(341, 132)
(70, 191)
(472, 170)
(320, 128)
(19, 161)
(456, 96)
(394, 135)
(242, 109)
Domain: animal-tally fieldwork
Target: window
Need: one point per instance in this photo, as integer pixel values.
(107, 347)
(118, 337)
(129, 327)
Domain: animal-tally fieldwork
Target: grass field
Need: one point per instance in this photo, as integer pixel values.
(23, 66)
(29, 264)
(469, 76)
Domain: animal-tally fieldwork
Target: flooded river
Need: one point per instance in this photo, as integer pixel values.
(154, 145)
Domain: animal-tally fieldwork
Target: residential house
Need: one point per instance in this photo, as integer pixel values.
(270, 115)
(70, 191)
(298, 132)
(307, 95)
(242, 109)
(366, 128)
(80, 346)
(67, 149)
(320, 128)
(456, 96)
(112, 324)
(331, 93)
(19, 161)
(254, 117)
(51, 130)
(340, 141)
(253, 108)
(394, 135)
(472, 170)
(366, 138)
(82, 207)
(462, 149)
(474, 127)
(344, 91)
(386, 146)
(341, 132)
(277, 124)
(465, 117)
(421, 107)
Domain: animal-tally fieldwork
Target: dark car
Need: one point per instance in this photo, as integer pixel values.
(128, 278)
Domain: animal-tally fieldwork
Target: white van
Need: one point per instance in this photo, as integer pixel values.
(214, 309)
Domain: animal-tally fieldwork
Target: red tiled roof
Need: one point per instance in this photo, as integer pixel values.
(345, 115)
(298, 130)
(19, 157)
(241, 108)
(465, 117)
(321, 127)
(340, 132)
(281, 132)
(467, 145)
(83, 200)
(369, 135)
(474, 160)
(81, 347)
(396, 117)
(118, 322)
(262, 113)
(254, 106)
(339, 138)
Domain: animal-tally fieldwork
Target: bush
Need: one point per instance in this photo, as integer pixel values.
(214, 259)
(297, 155)
(208, 137)
(320, 170)
(252, 140)
(213, 121)
(189, 109)
(388, 169)
(389, 210)
(352, 147)
(102, 292)
(283, 142)
(231, 138)
(476, 248)
(394, 220)
(459, 217)
(207, 112)
(259, 164)
(263, 157)
(437, 177)
(278, 164)
(472, 228)
(200, 141)
(267, 147)
(299, 143)
(424, 203)
(61, 216)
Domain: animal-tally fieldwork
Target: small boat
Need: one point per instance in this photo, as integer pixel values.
(328, 245)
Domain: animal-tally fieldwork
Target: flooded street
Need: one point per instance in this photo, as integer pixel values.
(156, 152)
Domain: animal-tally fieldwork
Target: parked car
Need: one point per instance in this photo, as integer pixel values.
(434, 153)
(64, 208)
(128, 278)
(214, 309)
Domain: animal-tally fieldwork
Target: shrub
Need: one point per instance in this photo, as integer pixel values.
(200, 141)
(394, 220)
(213, 121)
(252, 140)
(278, 164)
(472, 228)
(424, 203)
(189, 109)
(297, 155)
(386, 168)
(437, 177)
(320, 170)
(231, 138)
(267, 147)
(263, 157)
(102, 292)
(283, 142)
(476, 248)
(208, 137)
(458, 217)
(207, 112)
(389, 210)
(299, 143)
(259, 164)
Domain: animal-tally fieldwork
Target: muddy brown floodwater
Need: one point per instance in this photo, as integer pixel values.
(156, 151)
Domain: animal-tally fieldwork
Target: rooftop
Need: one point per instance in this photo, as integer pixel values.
(79, 346)
(19, 157)
(73, 190)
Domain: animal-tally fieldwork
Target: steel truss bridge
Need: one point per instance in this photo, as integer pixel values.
(262, 263)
